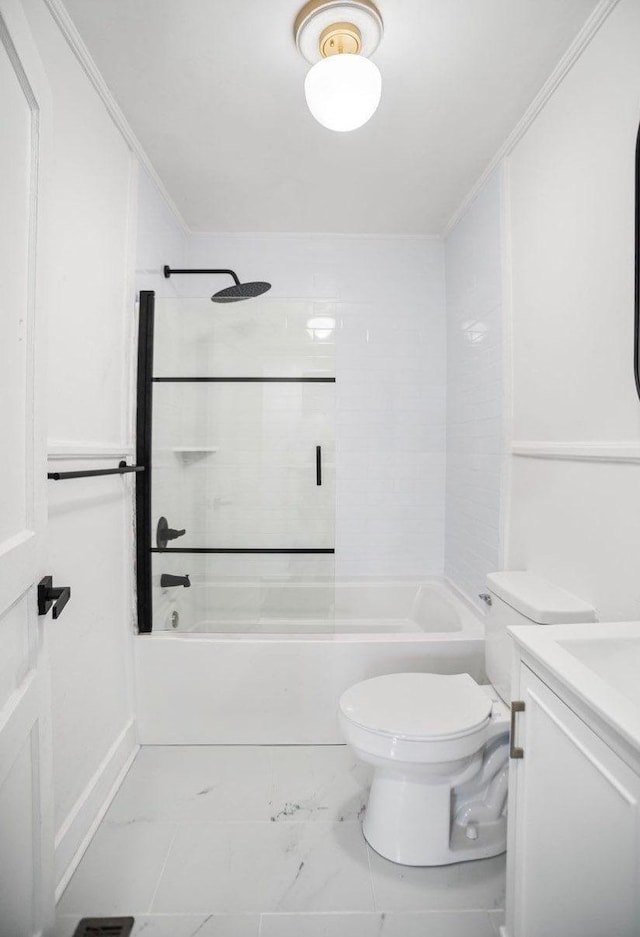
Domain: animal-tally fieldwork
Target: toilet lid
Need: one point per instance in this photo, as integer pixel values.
(417, 705)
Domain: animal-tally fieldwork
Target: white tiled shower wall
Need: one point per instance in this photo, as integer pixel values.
(387, 297)
(475, 435)
(419, 381)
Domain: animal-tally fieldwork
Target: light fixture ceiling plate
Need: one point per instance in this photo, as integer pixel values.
(317, 15)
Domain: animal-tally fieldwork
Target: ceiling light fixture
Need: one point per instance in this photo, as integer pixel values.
(337, 36)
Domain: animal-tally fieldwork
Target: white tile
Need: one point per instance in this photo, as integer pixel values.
(192, 783)
(179, 925)
(119, 871)
(478, 885)
(321, 925)
(437, 924)
(226, 867)
(474, 390)
(66, 924)
(189, 925)
(318, 783)
(412, 924)
(311, 878)
(388, 300)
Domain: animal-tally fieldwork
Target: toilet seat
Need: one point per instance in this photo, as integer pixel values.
(418, 706)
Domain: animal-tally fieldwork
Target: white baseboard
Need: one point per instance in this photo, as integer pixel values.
(78, 828)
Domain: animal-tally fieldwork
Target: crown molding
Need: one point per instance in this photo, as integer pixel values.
(284, 235)
(566, 63)
(76, 44)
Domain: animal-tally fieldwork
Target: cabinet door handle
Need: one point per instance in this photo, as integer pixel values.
(318, 465)
(517, 706)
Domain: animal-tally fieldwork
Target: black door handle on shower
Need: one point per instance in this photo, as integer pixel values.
(318, 465)
(48, 597)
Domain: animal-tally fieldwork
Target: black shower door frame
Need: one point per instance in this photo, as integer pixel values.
(144, 425)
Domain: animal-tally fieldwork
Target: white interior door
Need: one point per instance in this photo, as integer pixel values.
(26, 834)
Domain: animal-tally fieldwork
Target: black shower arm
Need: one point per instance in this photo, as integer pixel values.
(168, 271)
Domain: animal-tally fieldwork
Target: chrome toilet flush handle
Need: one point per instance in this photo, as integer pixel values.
(485, 597)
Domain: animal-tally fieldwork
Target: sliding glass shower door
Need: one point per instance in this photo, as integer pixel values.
(242, 481)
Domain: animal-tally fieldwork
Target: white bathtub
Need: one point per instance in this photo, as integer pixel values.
(302, 607)
(264, 687)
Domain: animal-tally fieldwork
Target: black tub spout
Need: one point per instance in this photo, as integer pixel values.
(166, 579)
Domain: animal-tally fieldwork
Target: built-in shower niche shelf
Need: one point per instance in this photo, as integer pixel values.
(190, 454)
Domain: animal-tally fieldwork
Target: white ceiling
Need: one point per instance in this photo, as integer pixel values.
(214, 92)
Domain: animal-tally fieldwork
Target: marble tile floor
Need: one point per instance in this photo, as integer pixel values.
(264, 841)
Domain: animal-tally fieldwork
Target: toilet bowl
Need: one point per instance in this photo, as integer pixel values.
(439, 747)
(439, 744)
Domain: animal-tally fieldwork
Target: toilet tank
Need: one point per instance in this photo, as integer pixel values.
(520, 598)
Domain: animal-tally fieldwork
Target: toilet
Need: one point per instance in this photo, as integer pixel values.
(439, 744)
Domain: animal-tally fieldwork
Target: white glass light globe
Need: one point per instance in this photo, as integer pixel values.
(343, 91)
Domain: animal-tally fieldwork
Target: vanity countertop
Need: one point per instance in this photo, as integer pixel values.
(598, 663)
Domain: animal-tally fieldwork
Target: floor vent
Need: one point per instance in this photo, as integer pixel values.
(104, 927)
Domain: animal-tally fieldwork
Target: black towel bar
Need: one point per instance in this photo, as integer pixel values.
(123, 469)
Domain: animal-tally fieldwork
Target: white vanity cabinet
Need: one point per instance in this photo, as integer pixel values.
(574, 823)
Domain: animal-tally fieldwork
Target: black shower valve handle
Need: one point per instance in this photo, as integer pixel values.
(164, 533)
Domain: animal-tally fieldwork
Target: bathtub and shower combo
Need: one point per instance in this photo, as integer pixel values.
(246, 635)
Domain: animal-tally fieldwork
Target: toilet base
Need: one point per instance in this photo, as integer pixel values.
(408, 822)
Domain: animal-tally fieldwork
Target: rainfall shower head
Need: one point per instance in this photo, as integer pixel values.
(234, 294)
(231, 294)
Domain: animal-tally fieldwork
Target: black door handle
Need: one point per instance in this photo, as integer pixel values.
(49, 597)
(318, 465)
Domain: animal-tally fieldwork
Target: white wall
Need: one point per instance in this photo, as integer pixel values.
(387, 296)
(475, 391)
(161, 239)
(571, 198)
(89, 409)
